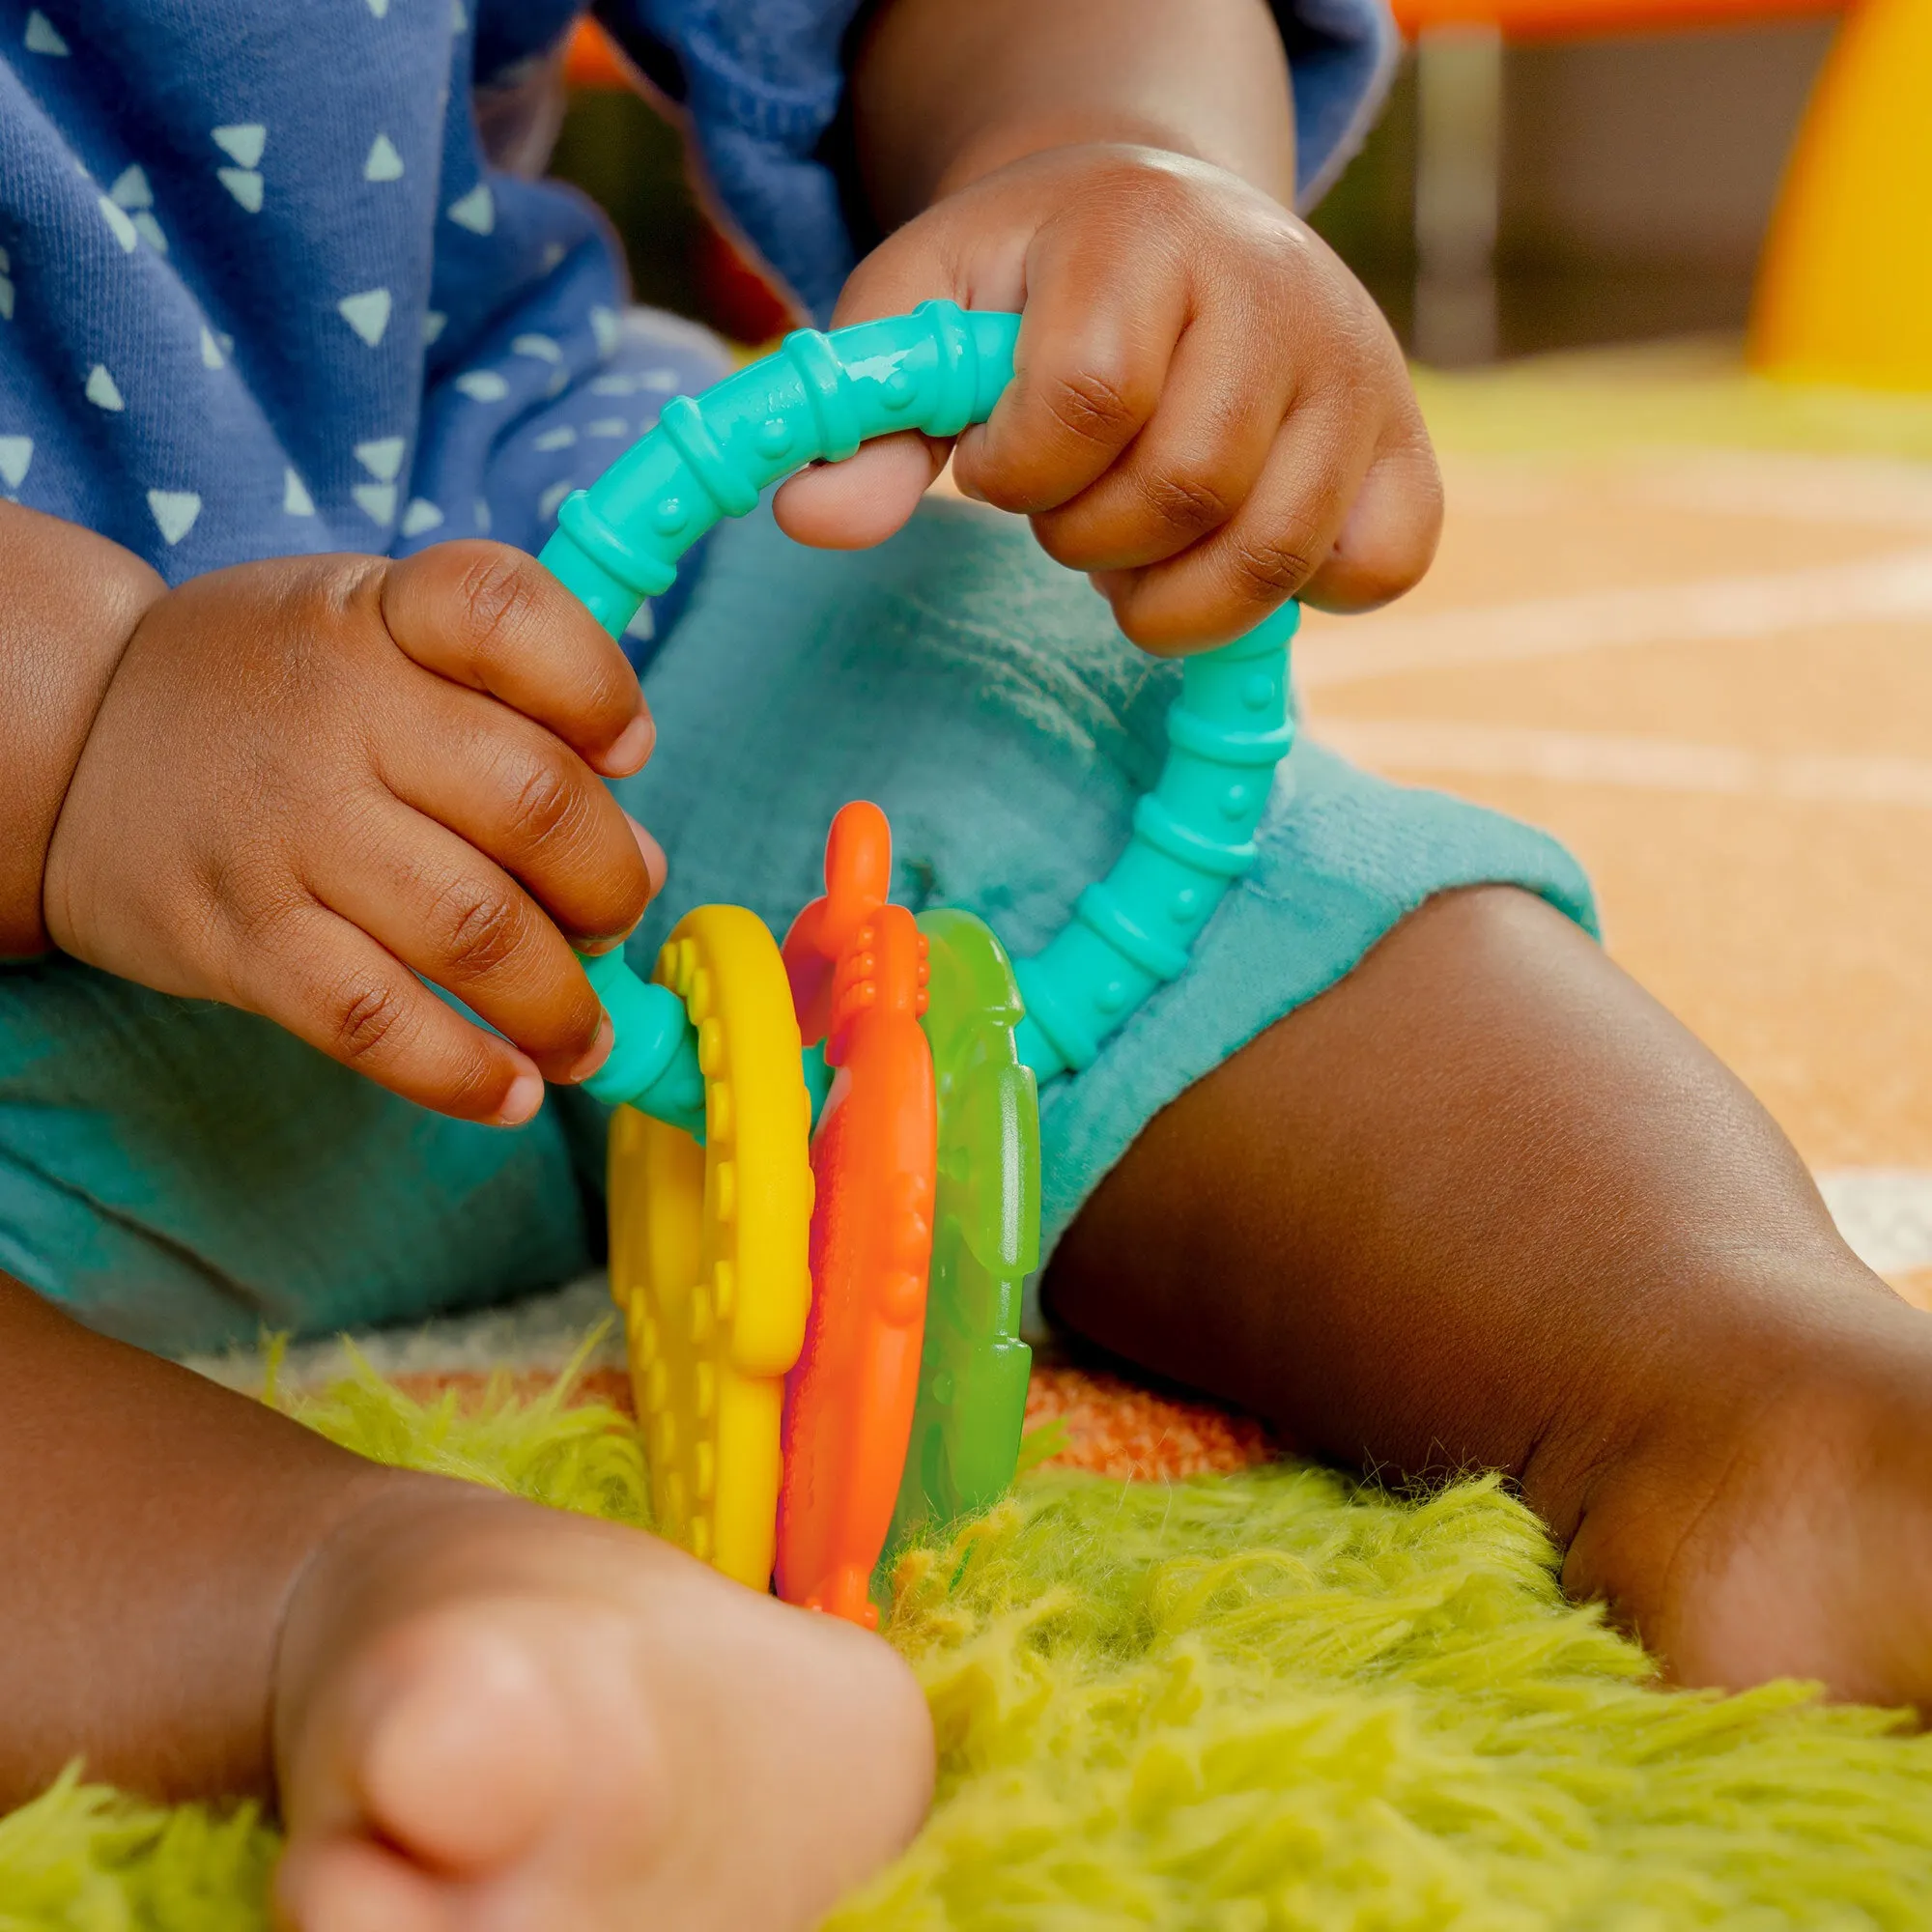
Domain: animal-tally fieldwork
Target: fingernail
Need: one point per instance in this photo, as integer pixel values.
(522, 1101)
(600, 1052)
(654, 861)
(594, 949)
(631, 745)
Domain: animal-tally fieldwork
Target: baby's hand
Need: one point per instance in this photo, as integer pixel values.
(314, 779)
(1209, 413)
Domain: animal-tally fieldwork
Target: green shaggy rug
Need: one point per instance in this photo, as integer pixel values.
(1268, 1701)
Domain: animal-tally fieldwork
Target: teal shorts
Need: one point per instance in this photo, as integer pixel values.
(184, 1175)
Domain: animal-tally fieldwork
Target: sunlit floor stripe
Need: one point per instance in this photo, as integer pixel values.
(1741, 609)
(1809, 489)
(1644, 764)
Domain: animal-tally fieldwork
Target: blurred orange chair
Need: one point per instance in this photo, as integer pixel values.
(1550, 19)
(1845, 290)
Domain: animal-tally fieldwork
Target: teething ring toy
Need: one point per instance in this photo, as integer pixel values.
(858, 973)
(993, 1030)
(974, 1367)
(708, 1247)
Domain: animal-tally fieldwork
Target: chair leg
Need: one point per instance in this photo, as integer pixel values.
(1458, 178)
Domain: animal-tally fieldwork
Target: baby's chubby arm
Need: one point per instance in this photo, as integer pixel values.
(295, 785)
(68, 603)
(1209, 413)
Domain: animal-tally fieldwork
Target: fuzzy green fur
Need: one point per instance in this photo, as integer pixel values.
(1267, 1700)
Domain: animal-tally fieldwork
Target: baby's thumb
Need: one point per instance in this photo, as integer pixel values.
(854, 505)
(862, 502)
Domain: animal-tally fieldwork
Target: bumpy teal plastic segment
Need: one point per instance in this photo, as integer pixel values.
(653, 1062)
(816, 400)
(1193, 837)
(710, 457)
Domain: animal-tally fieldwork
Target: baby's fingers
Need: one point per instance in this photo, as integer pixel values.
(1192, 467)
(1390, 536)
(487, 616)
(512, 791)
(1090, 367)
(1266, 551)
(447, 913)
(317, 975)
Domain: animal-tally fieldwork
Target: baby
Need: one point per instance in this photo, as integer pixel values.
(297, 362)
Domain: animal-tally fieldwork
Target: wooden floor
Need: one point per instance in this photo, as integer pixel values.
(1708, 670)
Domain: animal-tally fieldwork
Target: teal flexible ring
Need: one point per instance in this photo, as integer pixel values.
(1193, 837)
(816, 400)
(712, 456)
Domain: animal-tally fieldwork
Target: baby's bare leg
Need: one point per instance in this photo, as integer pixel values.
(472, 1711)
(1486, 1205)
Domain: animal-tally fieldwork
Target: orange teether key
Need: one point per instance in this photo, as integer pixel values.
(858, 973)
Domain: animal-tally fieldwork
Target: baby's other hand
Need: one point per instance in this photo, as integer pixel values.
(1209, 415)
(314, 779)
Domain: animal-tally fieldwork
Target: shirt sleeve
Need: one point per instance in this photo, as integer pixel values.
(761, 82)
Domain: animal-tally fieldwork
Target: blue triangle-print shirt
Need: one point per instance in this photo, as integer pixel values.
(274, 279)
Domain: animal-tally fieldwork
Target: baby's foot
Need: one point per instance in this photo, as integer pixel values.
(1780, 1522)
(491, 1716)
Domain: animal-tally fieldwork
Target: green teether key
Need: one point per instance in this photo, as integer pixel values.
(985, 1241)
